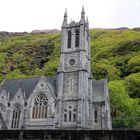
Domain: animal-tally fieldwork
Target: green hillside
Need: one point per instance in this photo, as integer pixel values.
(115, 55)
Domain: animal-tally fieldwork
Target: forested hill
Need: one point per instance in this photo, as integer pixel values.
(115, 54)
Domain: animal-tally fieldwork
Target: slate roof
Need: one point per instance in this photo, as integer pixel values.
(52, 80)
(98, 87)
(25, 84)
(29, 84)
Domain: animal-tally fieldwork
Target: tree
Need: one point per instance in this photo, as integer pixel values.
(132, 84)
(134, 64)
(124, 109)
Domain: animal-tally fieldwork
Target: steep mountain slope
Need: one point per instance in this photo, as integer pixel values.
(115, 54)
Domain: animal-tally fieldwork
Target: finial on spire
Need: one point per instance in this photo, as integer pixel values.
(83, 10)
(87, 20)
(82, 21)
(65, 15)
(65, 19)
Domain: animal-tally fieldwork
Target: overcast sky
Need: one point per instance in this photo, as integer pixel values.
(28, 15)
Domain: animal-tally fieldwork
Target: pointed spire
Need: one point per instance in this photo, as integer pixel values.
(87, 21)
(83, 10)
(82, 21)
(65, 19)
(65, 15)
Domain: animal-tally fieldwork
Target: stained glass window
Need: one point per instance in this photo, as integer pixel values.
(40, 106)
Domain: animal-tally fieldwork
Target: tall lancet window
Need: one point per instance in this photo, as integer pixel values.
(95, 115)
(16, 116)
(39, 110)
(70, 114)
(71, 85)
(77, 38)
(69, 39)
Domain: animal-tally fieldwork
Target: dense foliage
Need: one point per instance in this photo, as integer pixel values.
(115, 54)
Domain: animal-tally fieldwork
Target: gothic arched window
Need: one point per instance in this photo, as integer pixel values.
(16, 116)
(95, 115)
(77, 38)
(70, 114)
(65, 117)
(69, 39)
(40, 106)
(74, 117)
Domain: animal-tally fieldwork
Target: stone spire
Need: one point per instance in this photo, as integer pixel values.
(65, 19)
(65, 15)
(82, 21)
(87, 21)
(83, 10)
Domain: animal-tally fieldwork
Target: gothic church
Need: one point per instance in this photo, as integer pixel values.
(69, 100)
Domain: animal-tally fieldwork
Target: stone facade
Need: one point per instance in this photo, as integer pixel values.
(69, 100)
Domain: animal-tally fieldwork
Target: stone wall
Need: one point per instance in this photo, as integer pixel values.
(69, 135)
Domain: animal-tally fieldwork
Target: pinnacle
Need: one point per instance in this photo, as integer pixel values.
(83, 10)
(65, 15)
(87, 20)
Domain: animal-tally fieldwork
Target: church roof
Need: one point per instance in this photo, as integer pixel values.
(98, 90)
(25, 84)
(29, 84)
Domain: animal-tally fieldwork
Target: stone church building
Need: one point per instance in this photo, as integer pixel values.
(69, 100)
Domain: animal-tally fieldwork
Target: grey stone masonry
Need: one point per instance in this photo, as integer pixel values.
(70, 100)
(74, 78)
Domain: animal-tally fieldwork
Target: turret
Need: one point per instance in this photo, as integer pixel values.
(87, 21)
(65, 20)
(82, 21)
(73, 75)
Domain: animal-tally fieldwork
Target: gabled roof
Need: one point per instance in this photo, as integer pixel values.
(25, 84)
(52, 80)
(98, 90)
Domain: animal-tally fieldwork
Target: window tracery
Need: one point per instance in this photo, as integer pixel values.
(70, 114)
(77, 38)
(65, 117)
(16, 116)
(40, 107)
(95, 115)
(69, 39)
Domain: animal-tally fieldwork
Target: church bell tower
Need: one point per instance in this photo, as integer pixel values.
(74, 75)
